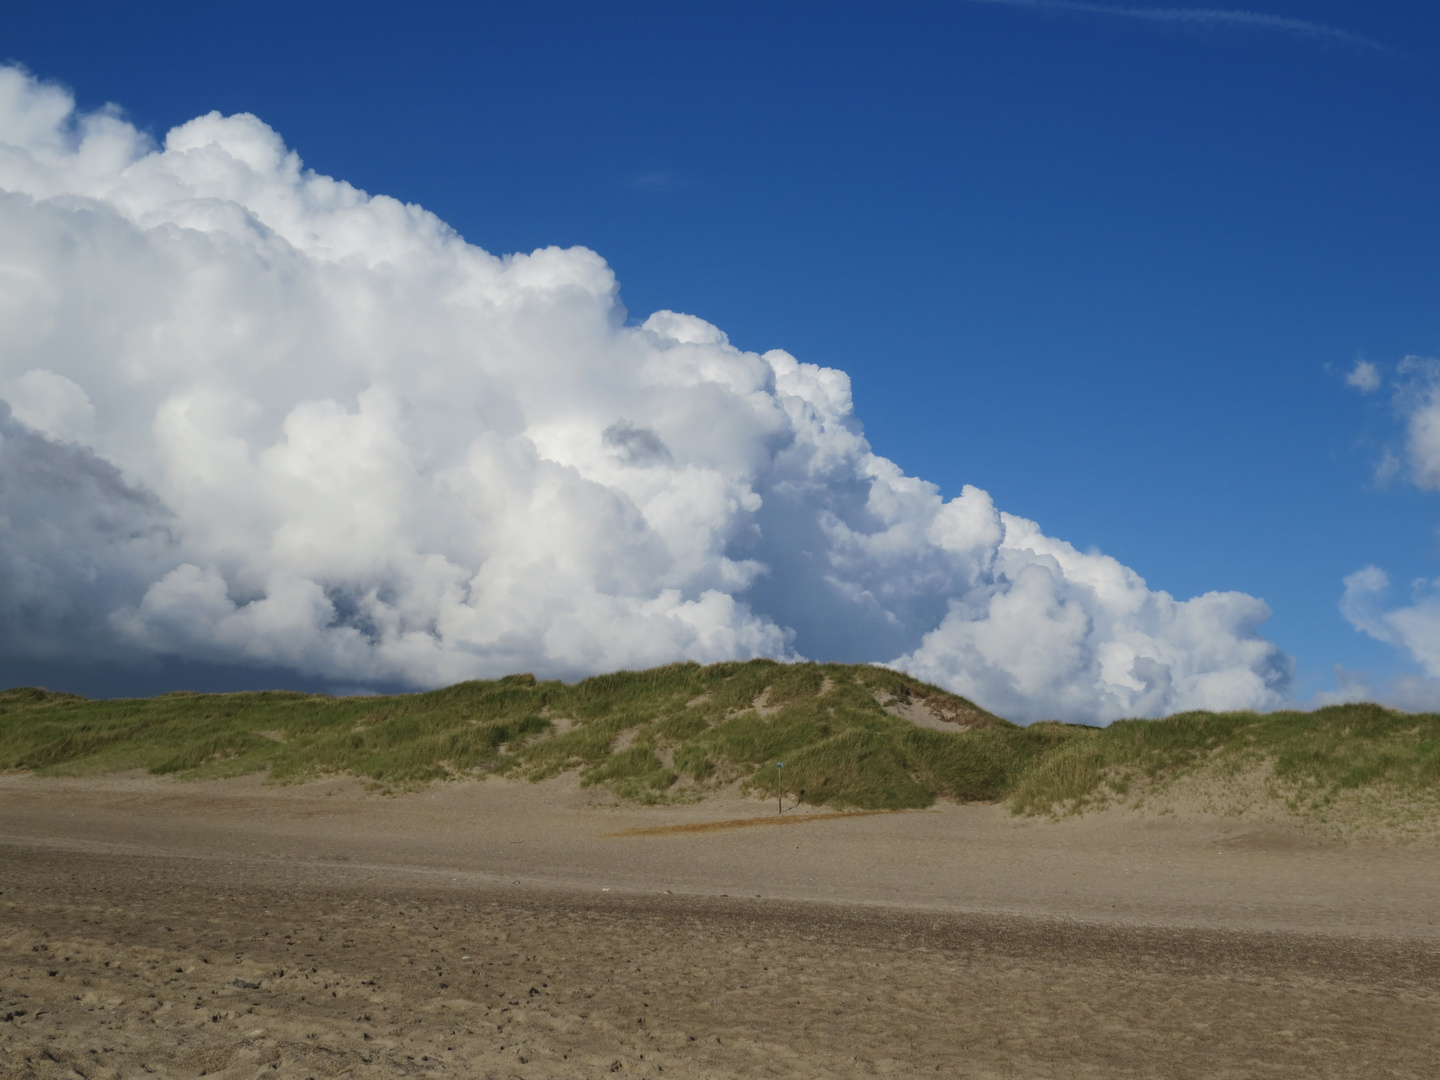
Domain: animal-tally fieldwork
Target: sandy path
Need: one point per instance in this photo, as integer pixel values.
(239, 930)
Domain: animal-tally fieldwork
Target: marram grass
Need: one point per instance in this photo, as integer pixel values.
(671, 733)
(1353, 768)
(677, 732)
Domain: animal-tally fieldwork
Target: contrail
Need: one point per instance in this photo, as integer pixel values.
(1202, 16)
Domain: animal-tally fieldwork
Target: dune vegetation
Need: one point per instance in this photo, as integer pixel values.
(849, 736)
(669, 734)
(1354, 768)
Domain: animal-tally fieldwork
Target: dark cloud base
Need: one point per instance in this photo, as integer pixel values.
(121, 680)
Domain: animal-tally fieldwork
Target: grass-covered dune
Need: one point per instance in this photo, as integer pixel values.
(850, 735)
(1355, 769)
(666, 734)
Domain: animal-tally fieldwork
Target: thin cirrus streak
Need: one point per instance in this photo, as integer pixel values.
(1203, 16)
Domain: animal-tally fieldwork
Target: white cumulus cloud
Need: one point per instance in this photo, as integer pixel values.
(257, 416)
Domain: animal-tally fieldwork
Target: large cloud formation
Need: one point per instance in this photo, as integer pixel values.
(257, 416)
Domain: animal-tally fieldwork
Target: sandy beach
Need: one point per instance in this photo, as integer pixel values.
(150, 927)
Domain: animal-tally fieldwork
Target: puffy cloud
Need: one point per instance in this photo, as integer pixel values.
(1412, 693)
(76, 540)
(1085, 635)
(1364, 377)
(257, 416)
(1414, 628)
(1418, 399)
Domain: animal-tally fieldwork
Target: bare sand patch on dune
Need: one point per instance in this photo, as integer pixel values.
(156, 928)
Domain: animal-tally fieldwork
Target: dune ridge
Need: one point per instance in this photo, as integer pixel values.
(851, 737)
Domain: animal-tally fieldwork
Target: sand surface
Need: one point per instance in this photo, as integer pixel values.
(155, 928)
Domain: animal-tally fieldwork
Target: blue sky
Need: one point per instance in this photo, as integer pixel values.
(1110, 267)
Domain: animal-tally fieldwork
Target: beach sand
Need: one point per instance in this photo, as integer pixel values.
(150, 927)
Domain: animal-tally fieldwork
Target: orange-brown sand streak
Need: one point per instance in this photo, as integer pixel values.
(745, 823)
